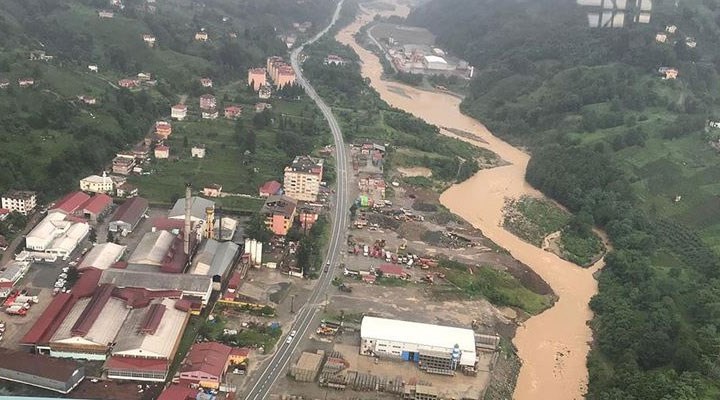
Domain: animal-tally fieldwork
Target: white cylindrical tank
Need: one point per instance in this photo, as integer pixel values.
(258, 253)
(246, 249)
(253, 244)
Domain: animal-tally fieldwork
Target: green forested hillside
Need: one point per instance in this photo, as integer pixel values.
(613, 140)
(49, 138)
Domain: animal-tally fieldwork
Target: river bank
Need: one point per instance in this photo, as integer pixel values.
(554, 344)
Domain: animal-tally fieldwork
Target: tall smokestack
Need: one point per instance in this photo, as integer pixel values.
(186, 233)
(210, 222)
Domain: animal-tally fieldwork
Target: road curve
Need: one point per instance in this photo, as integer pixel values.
(310, 311)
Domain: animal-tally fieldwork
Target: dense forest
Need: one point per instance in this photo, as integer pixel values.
(613, 140)
(50, 137)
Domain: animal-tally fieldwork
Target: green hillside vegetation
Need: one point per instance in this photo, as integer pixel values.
(50, 138)
(630, 152)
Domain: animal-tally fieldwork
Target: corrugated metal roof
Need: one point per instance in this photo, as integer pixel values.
(131, 210)
(71, 202)
(37, 365)
(49, 320)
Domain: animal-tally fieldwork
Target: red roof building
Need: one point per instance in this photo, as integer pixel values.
(392, 271)
(178, 392)
(163, 128)
(235, 281)
(96, 206)
(128, 215)
(167, 224)
(206, 363)
(270, 188)
(70, 203)
(232, 112)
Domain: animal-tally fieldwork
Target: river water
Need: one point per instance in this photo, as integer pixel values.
(553, 345)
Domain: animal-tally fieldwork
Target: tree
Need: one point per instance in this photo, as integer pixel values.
(256, 228)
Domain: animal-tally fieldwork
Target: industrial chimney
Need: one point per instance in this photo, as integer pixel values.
(186, 231)
(210, 222)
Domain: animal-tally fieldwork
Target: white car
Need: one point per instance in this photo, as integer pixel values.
(60, 283)
(289, 340)
(62, 276)
(293, 333)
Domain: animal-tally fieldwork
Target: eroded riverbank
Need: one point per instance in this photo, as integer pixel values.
(554, 344)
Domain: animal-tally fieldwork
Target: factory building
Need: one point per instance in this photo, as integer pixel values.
(56, 234)
(435, 348)
(103, 256)
(215, 259)
(61, 376)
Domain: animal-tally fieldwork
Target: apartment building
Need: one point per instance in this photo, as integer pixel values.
(303, 177)
(22, 201)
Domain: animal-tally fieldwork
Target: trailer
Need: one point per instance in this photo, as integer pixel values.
(16, 310)
(27, 299)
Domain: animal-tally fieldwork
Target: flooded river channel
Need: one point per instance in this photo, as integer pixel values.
(553, 345)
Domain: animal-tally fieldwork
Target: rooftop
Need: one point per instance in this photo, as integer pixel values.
(156, 280)
(152, 249)
(209, 358)
(178, 392)
(103, 256)
(270, 187)
(421, 334)
(435, 59)
(309, 361)
(33, 364)
(197, 208)
(151, 331)
(215, 258)
(131, 210)
(97, 203)
(19, 194)
(71, 202)
(136, 364)
(279, 204)
(306, 164)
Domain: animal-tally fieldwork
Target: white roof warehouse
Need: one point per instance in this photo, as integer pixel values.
(401, 339)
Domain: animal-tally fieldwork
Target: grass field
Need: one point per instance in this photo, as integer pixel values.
(532, 219)
(499, 287)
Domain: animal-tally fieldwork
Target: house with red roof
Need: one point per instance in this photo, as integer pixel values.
(270, 188)
(206, 363)
(70, 203)
(391, 271)
(178, 392)
(162, 152)
(232, 112)
(178, 112)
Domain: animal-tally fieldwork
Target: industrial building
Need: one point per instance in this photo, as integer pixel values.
(307, 366)
(302, 178)
(215, 259)
(61, 376)
(193, 287)
(99, 319)
(10, 274)
(435, 348)
(103, 256)
(198, 209)
(162, 251)
(56, 234)
(128, 215)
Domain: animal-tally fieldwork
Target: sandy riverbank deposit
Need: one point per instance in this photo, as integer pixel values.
(553, 345)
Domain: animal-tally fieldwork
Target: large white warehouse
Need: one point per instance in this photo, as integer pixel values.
(435, 348)
(56, 234)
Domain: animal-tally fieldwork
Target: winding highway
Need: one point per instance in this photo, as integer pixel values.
(307, 314)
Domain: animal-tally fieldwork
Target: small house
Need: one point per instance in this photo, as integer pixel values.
(128, 83)
(201, 36)
(209, 113)
(26, 82)
(212, 190)
(198, 151)
(149, 40)
(206, 82)
(178, 112)
(233, 112)
(163, 129)
(162, 151)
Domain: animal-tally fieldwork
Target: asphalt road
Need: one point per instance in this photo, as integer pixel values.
(310, 311)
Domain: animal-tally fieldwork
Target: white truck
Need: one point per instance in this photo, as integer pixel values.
(27, 299)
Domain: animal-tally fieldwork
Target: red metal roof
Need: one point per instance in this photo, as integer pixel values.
(209, 358)
(50, 319)
(235, 280)
(241, 351)
(140, 297)
(270, 188)
(176, 259)
(178, 392)
(391, 270)
(152, 319)
(92, 311)
(97, 204)
(87, 283)
(136, 364)
(167, 224)
(131, 210)
(71, 202)
(4, 211)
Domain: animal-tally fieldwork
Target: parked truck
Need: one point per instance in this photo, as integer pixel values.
(27, 299)
(366, 250)
(16, 310)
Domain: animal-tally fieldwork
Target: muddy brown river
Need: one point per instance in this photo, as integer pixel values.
(553, 345)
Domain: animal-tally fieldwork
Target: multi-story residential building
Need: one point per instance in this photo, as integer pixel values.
(22, 201)
(285, 76)
(279, 212)
(163, 128)
(97, 184)
(123, 165)
(207, 101)
(178, 112)
(257, 77)
(303, 177)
